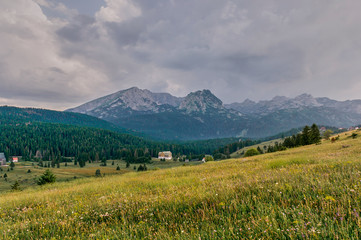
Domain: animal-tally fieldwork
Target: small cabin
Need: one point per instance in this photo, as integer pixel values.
(15, 159)
(165, 155)
(2, 159)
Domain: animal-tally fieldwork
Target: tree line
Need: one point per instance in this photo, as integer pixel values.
(59, 142)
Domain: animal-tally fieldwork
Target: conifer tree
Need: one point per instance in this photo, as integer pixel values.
(306, 135)
(47, 177)
(315, 134)
(140, 168)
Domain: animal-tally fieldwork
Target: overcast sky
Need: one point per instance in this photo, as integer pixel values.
(59, 54)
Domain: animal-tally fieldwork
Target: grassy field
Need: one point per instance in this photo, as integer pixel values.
(311, 192)
(71, 172)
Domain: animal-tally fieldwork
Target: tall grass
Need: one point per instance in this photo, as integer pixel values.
(311, 192)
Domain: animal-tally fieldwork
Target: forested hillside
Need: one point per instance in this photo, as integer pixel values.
(46, 141)
(14, 115)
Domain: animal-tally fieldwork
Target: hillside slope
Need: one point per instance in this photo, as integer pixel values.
(15, 115)
(307, 192)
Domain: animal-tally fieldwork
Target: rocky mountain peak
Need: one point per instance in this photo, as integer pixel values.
(306, 100)
(200, 101)
(248, 102)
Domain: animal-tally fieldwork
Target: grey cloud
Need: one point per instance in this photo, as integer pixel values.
(238, 49)
(78, 29)
(126, 33)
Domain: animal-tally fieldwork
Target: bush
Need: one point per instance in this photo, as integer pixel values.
(327, 134)
(97, 173)
(15, 186)
(47, 177)
(142, 168)
(251, 152)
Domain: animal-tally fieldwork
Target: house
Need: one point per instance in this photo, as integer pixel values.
(2, 159)
(165, 155)
(15, 159)
(208, 158)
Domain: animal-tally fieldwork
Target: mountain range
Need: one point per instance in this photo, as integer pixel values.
(201, 115)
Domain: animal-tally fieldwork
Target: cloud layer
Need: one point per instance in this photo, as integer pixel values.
(57, 57)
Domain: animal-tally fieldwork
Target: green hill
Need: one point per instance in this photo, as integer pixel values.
(310, 192)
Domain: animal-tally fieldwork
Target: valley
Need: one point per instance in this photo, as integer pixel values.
(184, 120)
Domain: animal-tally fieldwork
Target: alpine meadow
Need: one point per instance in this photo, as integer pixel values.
(184, 120)
(310, 192)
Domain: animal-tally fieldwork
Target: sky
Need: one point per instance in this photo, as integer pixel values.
(60, 54)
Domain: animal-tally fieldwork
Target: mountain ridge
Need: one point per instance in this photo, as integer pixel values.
(202, 115)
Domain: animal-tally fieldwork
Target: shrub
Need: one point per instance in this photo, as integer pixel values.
(97, 173)
(118, 168)
(47, 177)
(142, 168)
(251, 152)
(327, 134)
(15, 186)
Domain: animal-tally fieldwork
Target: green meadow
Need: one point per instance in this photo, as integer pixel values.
(70, 172)
(310, 192)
